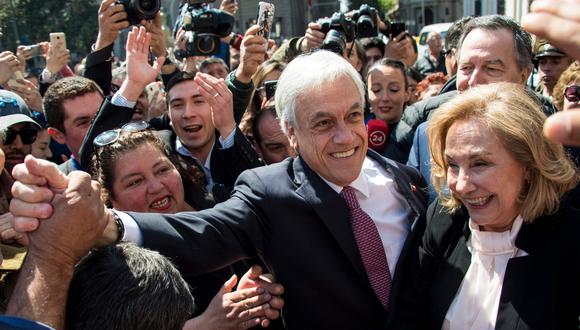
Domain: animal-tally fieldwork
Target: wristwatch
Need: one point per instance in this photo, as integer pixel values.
(120, 227)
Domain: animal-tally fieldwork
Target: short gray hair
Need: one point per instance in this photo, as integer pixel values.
(522, 39)
(307, 72)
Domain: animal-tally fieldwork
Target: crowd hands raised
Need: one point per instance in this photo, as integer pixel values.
(173, 136)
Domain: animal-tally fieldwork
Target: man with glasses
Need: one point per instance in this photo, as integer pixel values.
(19, 129)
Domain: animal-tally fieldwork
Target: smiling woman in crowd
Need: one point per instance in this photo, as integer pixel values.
(138, 173)
(500, 251)
(388, 94)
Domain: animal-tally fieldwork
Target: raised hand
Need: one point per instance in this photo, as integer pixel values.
(139, 72)
(8, 65)
(112, 19)
(220, 99)
(252, 54)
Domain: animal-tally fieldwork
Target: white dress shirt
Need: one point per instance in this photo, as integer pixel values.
(476, 303)
(377, 195)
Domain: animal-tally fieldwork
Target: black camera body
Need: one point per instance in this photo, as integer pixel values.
(140, 9)
(340, 29)
(367, 21)
(203, 29)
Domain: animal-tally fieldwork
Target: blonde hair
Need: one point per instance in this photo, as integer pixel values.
(517, 120)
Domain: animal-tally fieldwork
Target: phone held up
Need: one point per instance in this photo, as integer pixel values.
(265, 19)
(58, 41)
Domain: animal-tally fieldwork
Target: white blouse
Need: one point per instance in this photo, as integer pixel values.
(476, 303)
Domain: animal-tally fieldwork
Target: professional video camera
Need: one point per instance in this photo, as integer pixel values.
(340, 29)
(140, 9)
(203, 29)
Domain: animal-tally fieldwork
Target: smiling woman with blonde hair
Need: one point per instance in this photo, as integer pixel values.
(500, 250)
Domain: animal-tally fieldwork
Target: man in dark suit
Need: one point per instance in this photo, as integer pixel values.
(293, 214)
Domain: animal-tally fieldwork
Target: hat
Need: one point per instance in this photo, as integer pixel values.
(547, 49)
(13, 110)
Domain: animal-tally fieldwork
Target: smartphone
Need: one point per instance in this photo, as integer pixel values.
(270, 87)
(35, 50)
(13, 81)
(153, 90)
(265, 19)
(397, 28)
(58, 41)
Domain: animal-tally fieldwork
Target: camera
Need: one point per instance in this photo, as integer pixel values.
(340, 29)
(367, 19)
(138, 10)
(203, 29)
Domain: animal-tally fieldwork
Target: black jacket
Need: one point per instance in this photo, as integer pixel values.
(540, 290)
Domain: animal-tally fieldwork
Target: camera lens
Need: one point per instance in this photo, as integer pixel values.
(365, 27)
(335, 41)
(206, 45)
(147, 4)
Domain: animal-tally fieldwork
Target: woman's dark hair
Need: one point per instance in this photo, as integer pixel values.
(105, 158)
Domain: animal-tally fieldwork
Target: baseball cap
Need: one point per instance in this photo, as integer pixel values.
(547, 49)
(13, 110)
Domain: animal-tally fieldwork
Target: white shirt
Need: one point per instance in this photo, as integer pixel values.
(377, 195)
(476, 303)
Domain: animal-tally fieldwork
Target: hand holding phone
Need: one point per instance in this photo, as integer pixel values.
(397, 28)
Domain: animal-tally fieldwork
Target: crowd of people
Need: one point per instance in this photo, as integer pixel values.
(295, 187)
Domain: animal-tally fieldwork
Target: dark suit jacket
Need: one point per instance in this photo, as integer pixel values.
(290, 218)
(540, 290)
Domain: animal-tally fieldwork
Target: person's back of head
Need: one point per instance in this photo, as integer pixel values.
(127, 287)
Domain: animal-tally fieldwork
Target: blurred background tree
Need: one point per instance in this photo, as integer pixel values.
(27, 22)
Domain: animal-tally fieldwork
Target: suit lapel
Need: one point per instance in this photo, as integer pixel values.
(331, 210)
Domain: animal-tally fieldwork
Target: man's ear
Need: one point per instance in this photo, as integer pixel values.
(57, 135)
(526, 74)
(291, 136)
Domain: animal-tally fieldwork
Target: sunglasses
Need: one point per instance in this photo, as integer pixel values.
(111, 136)
(572, 93)
(27, 135)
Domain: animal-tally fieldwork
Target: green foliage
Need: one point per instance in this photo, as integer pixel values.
(35, 19)
(387, 5)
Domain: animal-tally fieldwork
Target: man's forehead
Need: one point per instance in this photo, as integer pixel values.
(183, 89)
(83, 105)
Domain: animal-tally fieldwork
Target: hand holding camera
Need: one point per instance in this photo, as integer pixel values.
(313, 37)
(112, 19)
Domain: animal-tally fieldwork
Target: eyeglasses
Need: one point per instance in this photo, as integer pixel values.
(27, 135)
(572, 93)
(111, 136)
